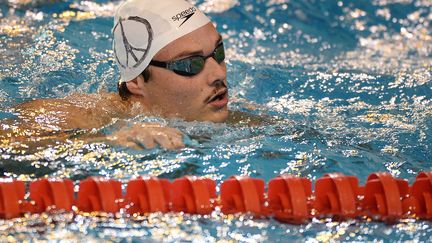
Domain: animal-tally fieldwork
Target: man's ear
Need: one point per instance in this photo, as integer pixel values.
(136, 86)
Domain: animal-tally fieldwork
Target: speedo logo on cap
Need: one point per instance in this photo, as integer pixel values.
(184, 15)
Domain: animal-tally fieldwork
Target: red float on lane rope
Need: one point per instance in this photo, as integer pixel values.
(383, 196)
(288, 198)
(241, 194)
(99, 194)
(148, 194)
(192, 194)
(420, 202)
(52, 194)
(336, 195)
(11, 193)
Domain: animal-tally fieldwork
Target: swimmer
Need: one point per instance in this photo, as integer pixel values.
(172, 64)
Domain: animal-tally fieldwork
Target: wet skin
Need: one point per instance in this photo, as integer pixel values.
(202, 97)
(171, 95)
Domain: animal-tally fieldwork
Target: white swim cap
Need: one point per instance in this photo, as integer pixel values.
(143, 27)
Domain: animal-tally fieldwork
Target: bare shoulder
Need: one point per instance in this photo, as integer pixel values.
(74, 111)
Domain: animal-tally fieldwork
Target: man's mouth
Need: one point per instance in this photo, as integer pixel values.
(219, 99)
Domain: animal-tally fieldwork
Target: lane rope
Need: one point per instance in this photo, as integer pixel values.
(288, 198)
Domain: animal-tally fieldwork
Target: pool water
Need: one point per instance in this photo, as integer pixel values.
(346, 86)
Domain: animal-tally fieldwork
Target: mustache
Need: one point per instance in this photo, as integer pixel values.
(220, 88)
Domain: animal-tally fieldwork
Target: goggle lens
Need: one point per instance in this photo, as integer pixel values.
(192, 65)
(219, 53)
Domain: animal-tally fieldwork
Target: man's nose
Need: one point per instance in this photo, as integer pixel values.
(216, 72)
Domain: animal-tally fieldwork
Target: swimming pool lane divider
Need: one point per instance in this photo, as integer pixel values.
(288, 198)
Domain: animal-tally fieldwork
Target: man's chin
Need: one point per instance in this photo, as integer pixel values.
(219, 116)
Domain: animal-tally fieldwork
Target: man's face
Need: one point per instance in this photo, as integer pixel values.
(202, 97)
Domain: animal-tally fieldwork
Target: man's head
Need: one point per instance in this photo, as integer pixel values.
(170, 58)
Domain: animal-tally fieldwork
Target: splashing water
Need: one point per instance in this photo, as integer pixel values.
(345, 86)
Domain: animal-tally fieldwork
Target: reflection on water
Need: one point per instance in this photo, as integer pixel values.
(344, 85)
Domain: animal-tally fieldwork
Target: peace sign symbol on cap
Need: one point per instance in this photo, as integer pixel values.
(134, 45)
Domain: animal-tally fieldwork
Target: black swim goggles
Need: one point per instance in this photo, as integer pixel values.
(193, 65)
